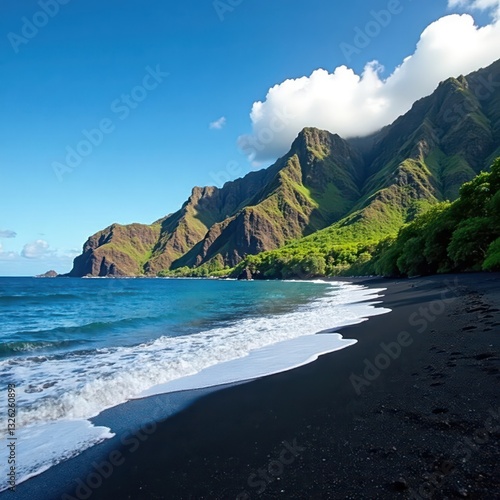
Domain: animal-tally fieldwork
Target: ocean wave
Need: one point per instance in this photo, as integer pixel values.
(80, 384)
(39, 297)
(94, 327)
(10, 348)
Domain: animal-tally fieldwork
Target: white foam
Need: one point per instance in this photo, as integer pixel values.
(42, 446)
(269, 360)
(81, 385)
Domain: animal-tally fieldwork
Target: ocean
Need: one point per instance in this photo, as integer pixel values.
(72, 348)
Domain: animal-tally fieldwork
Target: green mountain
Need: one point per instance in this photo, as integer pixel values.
(422, 158)
(315, 184)
(450, 237)
(324, 206)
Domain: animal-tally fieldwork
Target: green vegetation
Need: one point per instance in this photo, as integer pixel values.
(436, 238)
(332, 251)
(212, 269)
(346, 246)
(459, 236)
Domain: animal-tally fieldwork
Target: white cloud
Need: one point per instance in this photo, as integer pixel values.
(35, 258)
(6, 255)
(356, 105)
(493, 5)
(6, 233)
(68, 255)
(36, 250)
(218, 124)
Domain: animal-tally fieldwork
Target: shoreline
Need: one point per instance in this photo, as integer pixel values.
(335, 428)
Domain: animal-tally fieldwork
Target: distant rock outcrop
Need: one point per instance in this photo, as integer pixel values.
(48, 274)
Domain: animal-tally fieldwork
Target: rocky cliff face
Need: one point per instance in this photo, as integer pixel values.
(425, 155)
(316, 183)
(117, 251)
(455, 131)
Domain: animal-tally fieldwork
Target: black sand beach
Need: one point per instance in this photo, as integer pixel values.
(411, 411)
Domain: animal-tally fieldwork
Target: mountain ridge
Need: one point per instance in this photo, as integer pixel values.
(324, 186)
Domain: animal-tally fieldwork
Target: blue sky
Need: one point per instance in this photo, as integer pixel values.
(171, 85)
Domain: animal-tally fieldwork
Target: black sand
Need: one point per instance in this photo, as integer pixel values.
(426, 425)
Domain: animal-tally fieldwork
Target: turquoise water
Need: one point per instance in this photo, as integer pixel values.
(46, 316)
(74, 347)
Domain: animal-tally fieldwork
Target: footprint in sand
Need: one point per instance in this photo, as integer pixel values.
(468, 328)
(438, 411)
(491, 370)
(484, 355)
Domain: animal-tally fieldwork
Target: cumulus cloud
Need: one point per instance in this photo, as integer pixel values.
(36, 250)
(351, 105)
(218, 124)
(6, 233)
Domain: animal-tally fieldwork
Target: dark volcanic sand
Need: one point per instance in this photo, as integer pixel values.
(427, 426)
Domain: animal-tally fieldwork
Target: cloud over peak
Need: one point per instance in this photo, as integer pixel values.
(351, 105)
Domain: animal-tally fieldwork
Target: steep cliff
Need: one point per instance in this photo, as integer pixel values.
(316, 183)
